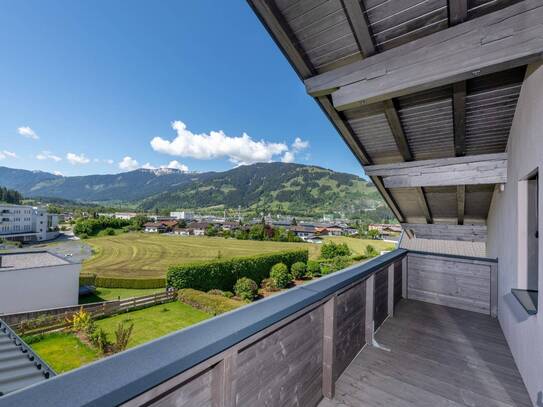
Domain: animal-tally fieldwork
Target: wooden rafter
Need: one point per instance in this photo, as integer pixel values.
(458, 11)
(396, 128)
(359, 26)
(504, 39)
(274, 22)
(461, 202)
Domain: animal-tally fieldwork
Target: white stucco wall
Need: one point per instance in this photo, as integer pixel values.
(506, 234)
(39, 288)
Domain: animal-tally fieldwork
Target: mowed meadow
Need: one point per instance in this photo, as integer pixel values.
(139, 255)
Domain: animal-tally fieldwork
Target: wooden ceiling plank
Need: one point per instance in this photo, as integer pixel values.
(465, 233)
(459, 113)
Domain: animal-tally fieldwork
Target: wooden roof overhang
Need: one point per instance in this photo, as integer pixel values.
(422, 91)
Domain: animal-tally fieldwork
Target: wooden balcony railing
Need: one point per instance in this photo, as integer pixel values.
(288, 349)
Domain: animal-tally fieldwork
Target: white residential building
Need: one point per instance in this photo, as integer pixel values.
(182, 215)
(26, 223)
(125, 215)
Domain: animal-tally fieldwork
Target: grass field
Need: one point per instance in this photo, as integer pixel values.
(64, 351)
(108, 294)
(138, 255)
(358, 246)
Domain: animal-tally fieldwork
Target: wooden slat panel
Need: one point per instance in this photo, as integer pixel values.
(467, 233)
(194, 393)
(380, 311)
(447, 281)
(285, 367)
(351, 316)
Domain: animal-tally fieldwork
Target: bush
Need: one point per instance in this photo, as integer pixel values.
(358, 257)
(87, 279)
(228, 294)
(223, 274)
(114, 282)
(330, 250)
(246, 289)
(371, 251)
(279, 273)
(216, 292)
(212, 304)
(269, 285)
(313, 268)
(122, 336)
(83, 236)
(298, 270)
(99, 339)
(109, 232)
(82, 321)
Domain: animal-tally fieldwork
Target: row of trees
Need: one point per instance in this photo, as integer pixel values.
(256, 232)
(10, 196)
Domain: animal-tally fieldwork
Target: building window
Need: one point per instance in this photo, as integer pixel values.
(532, 230)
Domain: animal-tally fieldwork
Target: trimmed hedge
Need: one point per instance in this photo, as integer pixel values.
(223, 274)
(87, 279)
(210, 303)
(115, 282)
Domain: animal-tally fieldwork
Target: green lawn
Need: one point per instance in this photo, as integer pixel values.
(135, 255)
(154, 322)
(108, 294)
(64, 351)
(358, 246)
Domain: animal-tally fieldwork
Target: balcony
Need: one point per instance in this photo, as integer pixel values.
(400, 330)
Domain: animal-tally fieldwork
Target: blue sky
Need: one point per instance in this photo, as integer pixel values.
(84, 85)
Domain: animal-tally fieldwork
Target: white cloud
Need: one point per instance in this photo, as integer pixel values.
(27, 132)
(128, 164)
(288, 157)
(7, 154)
(77, 158)
(47, 155)
(300, 144)
(58, 173)
(109, 162)
(239, 150)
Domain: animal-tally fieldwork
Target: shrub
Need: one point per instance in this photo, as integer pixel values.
(87, 279)
(329, 250)
(81, 321)
(358, 257)
(212, 304)
(122, 336)
(326, 269)
(298, 270)
(216, 292)
(223, 274)
(279, 273)
(269, 285)
(313, 268)
(228, 294)
(246, 289)
(109, 232)
(371, 251)
(99, 339)
(115, 282)
(83, 236)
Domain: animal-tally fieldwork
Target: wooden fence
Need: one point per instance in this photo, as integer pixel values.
(47, 320)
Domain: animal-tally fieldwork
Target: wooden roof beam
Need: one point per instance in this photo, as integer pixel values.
(458, 11)
(468, 170)
(359, 26)
(501, 40)
(461, 202)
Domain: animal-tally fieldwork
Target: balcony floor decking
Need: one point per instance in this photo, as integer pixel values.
(439, 356)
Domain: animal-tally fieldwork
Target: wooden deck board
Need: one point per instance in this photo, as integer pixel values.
(437, 358)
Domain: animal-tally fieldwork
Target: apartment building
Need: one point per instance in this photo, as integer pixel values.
(27, 223)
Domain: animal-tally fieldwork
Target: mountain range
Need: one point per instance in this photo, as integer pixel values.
(277, 187)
